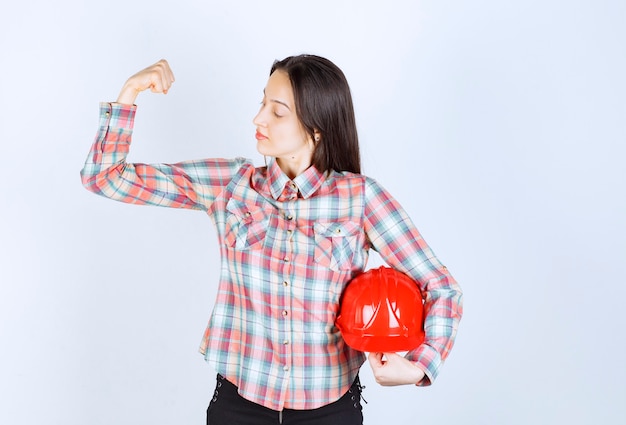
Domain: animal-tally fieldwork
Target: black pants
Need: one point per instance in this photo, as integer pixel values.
(228, 408)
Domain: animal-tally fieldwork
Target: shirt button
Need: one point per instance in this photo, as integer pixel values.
(286, 368)
(289, 217)
(285, 283)
(286, 342)
(285, 313)
(286, 259)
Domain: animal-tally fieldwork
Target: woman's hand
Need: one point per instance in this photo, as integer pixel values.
(158, 78)
(394, 370)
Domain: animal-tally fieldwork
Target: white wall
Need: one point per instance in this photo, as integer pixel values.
(499, 125)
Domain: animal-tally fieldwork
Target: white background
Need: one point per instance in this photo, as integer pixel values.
(499, 125)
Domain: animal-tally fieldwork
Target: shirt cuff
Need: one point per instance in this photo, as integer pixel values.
(117, 115)
(429, 360)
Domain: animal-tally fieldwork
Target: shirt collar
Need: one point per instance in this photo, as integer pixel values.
(307, 183)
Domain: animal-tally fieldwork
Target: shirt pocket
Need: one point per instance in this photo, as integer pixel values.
(335, 244)
(246, 225)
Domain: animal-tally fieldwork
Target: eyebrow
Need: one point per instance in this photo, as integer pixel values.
(278, 101)
(282, 103)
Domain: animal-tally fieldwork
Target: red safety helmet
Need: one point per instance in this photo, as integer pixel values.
(382, 310)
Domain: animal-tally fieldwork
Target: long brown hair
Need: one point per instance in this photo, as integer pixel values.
(324, 104)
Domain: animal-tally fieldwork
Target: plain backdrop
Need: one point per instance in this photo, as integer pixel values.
(499, 125)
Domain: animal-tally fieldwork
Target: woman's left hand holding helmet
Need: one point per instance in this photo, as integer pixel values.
(394, 369)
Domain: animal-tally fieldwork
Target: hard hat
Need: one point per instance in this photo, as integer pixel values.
(382, 310)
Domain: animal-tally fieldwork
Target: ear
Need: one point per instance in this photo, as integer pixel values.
(317, 136)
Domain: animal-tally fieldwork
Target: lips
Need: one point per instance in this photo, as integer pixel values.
(260, 136)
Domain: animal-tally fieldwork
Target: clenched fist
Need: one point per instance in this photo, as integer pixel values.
(158, 78)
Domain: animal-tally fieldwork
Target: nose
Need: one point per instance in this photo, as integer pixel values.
(259, 119)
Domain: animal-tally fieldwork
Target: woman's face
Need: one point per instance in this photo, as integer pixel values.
(279, 132)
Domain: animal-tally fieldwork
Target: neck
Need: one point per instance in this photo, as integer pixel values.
(293, 167)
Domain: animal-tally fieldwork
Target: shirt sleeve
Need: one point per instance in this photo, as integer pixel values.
(190, 184)
(394, 236)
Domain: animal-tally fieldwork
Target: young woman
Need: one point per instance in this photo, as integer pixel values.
(292, 234)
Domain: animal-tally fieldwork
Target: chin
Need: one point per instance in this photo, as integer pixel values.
(264, 152)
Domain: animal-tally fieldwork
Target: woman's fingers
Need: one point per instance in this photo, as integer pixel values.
(392, 369)
(157, 77)
(162, 76)
(376, 360)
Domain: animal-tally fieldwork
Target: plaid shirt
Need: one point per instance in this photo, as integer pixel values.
(288, 249)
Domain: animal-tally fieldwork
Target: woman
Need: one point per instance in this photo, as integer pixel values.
(292, 235)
